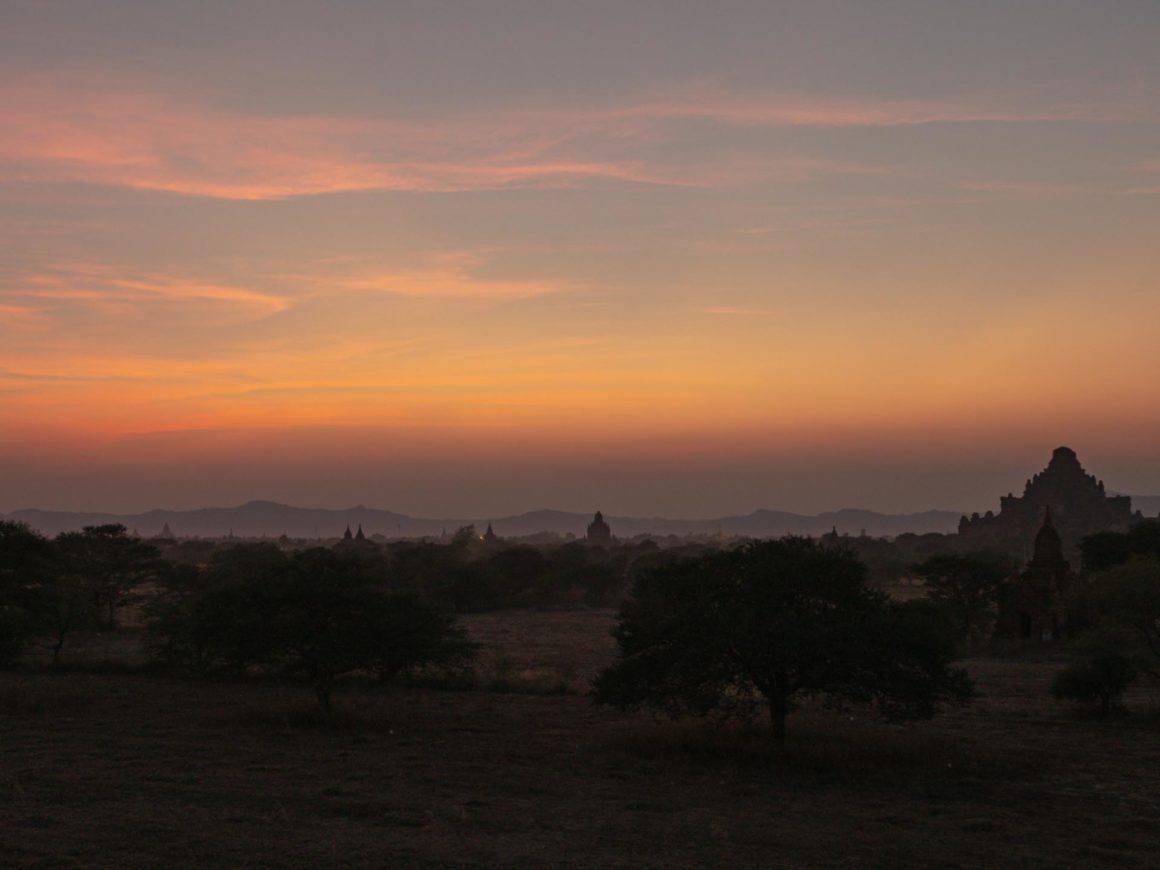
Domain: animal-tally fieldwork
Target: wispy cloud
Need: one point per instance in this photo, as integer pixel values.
(63, 128)
(806, 111)
(1021, 188)
(442, 274)
(22, 316)
(97, 303)
(102, 283)
(144, 141)
(732, 311)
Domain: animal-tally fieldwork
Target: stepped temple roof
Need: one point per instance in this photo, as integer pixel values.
(1074, 502)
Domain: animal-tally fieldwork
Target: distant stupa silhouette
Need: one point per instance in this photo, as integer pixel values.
(1032, 606)
(599, 532)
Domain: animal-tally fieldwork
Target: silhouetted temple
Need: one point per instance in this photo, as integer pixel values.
(358, 540)
(1032, 606)
(599, 532)
(490, 537)
(1078, 503)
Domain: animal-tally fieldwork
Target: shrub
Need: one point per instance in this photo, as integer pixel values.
(1103, 677)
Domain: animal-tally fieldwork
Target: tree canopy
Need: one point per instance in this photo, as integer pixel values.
(110, 562)
(968, 585)
(1124, 600)
(769, 624)
(316, 613)
(24, 559)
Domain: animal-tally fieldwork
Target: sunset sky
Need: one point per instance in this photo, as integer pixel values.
(676, 258)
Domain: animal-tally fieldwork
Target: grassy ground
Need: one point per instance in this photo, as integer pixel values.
(129, 770)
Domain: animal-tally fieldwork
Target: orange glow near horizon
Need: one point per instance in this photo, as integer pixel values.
(751, 256)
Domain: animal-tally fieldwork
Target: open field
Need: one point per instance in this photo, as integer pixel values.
(130, 770)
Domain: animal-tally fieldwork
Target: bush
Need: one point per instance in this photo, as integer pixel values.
(1102, 678)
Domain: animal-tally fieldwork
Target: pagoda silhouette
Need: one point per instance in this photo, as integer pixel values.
(1078, 504)
(599, 532)
(1033, 605)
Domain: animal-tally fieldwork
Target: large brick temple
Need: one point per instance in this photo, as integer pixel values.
(1077, 501)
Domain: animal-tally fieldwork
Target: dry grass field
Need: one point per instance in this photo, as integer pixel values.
(100, 768)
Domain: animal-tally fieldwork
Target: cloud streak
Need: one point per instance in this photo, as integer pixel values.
(99, 283)
(62, 128)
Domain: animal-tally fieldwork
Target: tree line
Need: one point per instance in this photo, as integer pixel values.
(757, 627)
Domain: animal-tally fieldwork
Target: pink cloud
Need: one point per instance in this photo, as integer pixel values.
(66, 128)
(448, 274)
(148, 142)
(21, 316)
(1033, 188)
(732, 311)
(98, 283)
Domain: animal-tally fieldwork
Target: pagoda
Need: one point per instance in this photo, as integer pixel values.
(1078, 503)
(1032, 606)
(599, 532)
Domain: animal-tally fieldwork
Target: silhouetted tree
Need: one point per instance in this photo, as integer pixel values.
(215, 617)
(1108, 549)
(773, 622)
(110, 562)
(968, 585)
(24, 560)
(518, 570)
(465, 536)
(65, 605)
(317, 613)
(1124, 601)
(1102, 677)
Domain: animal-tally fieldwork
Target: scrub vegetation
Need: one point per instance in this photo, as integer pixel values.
(178, 728)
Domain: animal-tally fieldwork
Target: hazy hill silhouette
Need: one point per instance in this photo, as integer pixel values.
(258, 518)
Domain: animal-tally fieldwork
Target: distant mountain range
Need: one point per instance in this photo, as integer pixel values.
(258, 518)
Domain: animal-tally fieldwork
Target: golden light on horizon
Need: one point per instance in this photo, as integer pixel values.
(714, 262)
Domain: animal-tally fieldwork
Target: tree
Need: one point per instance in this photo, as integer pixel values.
(1108, 549)
(24, 556)
(769, 624)
(1124, 601)
(317, 614)
(968, 585)
(1101, 677)
(110, 562)
(64, 604)
(215, 618)
(518, 570)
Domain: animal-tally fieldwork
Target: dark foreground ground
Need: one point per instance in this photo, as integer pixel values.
(129, 770)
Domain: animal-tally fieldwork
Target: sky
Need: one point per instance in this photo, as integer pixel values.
(656, 258)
